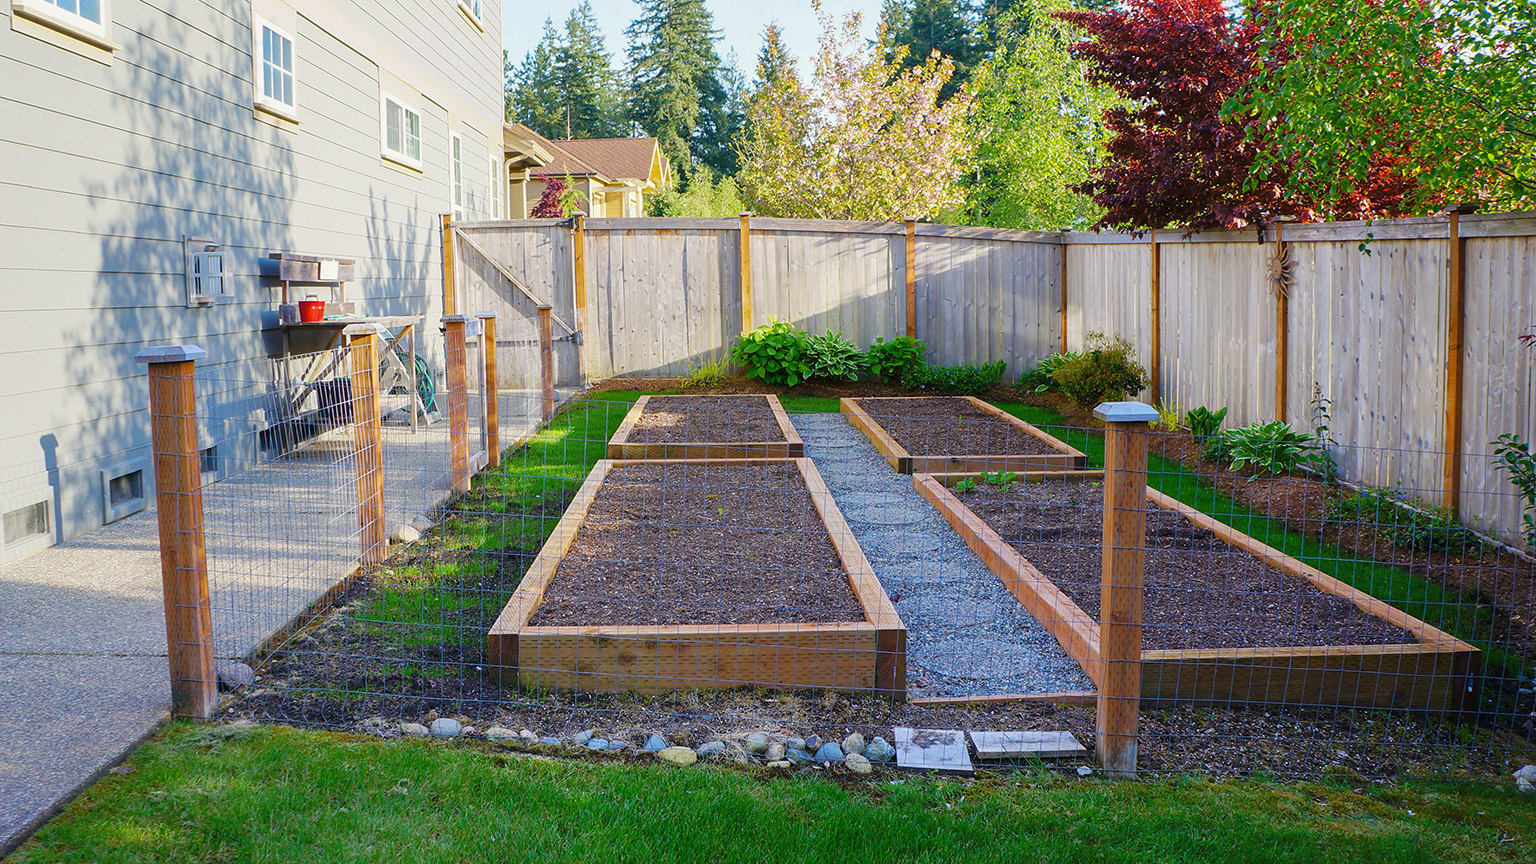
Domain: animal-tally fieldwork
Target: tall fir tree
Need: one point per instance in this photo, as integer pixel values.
(532, 94)
(679, 92)
(923, 27)
(584, 76)
(774, 60)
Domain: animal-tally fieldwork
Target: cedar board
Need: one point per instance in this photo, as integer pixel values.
(1065, 457)
(620, 447)
(1432, 674)
(868, 655)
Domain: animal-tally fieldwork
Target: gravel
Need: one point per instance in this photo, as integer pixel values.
(966, 635)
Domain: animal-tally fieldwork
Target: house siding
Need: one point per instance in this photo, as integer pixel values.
(105, 166)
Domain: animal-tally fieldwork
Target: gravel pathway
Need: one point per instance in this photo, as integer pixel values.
(966, 635)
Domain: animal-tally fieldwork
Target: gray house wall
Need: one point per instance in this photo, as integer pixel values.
(107, 158)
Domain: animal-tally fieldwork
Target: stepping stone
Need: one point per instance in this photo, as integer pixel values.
(1023, 744)
(976, 657)
(932, 750)
(886, 515)
(890, 543)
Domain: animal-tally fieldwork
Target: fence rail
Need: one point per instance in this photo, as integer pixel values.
(1366, 310)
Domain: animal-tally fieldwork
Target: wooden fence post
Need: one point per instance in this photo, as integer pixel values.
(912, 278)
(579, 274)
(1281, 288)
(1121, 585)
(546, 362)
(450, 288)
(179, 510)
(1063, 292)
(456, 352)
(1456, 311)
(368, 446)
(746, 272)
(492, 390)
(1155, 362)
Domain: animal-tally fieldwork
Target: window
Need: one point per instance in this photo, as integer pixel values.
(87, 19)
(456, 171)
(471, 10)
(402, 133)
(497, 182)
(273, 53)
(122, 490)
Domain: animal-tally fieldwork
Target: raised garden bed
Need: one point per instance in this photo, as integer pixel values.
(706, 427)
(955, 434)
(1227, 619)
(684, 574)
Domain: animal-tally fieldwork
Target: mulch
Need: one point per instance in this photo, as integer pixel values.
(706, 419)
(700, 544)
(950, 426)
(1201, 592)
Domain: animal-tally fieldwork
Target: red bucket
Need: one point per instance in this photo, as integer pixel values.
(311, 310)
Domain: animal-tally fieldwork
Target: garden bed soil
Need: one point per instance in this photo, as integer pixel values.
(681, 419)
(702, 544)
(950, 426)
(1201, 592)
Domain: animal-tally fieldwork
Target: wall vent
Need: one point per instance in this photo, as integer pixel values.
(124, 489)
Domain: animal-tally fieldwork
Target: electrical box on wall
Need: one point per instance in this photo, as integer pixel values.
(208, 276)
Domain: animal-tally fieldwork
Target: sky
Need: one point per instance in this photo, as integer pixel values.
(741, 23)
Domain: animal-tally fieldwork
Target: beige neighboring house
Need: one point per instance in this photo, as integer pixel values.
(613, 175)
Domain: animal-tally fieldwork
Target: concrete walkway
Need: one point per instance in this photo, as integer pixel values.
(83, 670)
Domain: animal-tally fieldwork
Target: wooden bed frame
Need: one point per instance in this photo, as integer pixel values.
(620, 447)
(906, 463)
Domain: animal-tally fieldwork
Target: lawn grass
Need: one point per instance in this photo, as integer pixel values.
(273, 794)
(1461, 615)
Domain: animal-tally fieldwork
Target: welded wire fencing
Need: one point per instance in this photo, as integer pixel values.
(970, 584)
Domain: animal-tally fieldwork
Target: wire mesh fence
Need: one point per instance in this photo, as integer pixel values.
(689, 570)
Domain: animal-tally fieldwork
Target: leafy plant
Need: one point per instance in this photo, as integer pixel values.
(1168, 416)
(774, 353)
(1402, 521)
(1203, 422)
(1322, 424)
(1039, 375)
(966, 485)
(890, 360)
(963, 379)
(1271, 448)
(832, 356)
(1105, 371)
(1218, 448)
(1516, 460)
(709, 373)
(1003, 480)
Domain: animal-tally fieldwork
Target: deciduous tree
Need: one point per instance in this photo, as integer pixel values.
(913, 30)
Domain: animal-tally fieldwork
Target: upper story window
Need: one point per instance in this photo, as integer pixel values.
(87, 19)
(456, 170)
(401, 132)
(471, 10)
(274, 69)
(497, 182)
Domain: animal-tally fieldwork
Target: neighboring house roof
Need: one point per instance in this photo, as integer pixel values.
(524, 146)
(634, 160)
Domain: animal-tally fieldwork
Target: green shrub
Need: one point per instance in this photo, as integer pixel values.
(1516, 460)
(1270, 448)
(1168, 417)
(890, 360)
(963, 379)
(1038, 377)
(1203, 422)
(1403, 522)
(1105, 371)
(832, 356)
(774, 353)
(709, 373)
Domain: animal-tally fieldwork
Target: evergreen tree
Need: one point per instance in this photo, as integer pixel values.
(676, 86)
(774, 60)
(532, 91)
(922, 27)
(584, 77)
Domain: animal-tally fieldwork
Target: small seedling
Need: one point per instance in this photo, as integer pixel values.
(1004, 480)
(966, 485)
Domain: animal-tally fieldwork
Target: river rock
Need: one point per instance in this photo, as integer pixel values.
(583, 737)
(446, 727)
(798, 756)
(549, 742)
(757, 742)
(677, 755)
(596, 744)
(879, 750)
(854, 743)
(812, 743)
(775, 752)
(500, 734)
(714, 751)
(857, 764)
(794, 744)
(781, 764)
(829, 752)
(415, 730)
(655, 743)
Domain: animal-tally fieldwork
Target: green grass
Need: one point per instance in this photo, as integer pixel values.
(1456, 613)
(271, 794)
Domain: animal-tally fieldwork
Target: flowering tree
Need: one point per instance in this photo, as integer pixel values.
(559, 200)
(1445, 83)
(868, 139)
(1174, 157)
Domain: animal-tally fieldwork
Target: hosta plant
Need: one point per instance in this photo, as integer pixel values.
(832, 356)
(775, 353)
(890, 360)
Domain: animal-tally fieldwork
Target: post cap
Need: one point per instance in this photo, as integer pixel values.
(170, 354)
(455, 319)
(1125, 412)
(487, 314)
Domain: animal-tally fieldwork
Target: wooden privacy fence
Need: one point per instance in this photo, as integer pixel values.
(1410, 327)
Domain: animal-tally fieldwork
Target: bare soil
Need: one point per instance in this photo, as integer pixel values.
(950, 426)
(706, 419)
(1201, 592)
(704, 544)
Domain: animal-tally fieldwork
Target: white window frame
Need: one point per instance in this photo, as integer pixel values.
(472, 10)
(402, 156)
(498, 181)
(98, 33)
(456, 173)
(263, 101)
